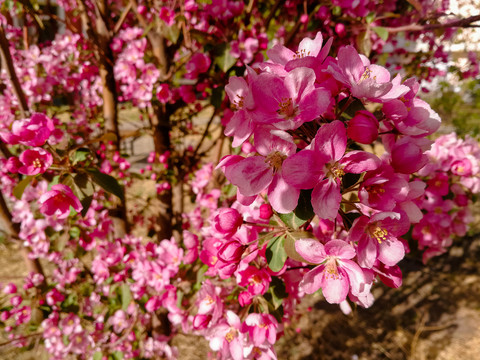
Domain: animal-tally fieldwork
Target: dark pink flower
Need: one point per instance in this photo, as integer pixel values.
(35, 161)
(322, 166)
(30, 132)
(58, 201)
(365, 80)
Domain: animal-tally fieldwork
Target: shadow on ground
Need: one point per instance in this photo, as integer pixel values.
(434, 315)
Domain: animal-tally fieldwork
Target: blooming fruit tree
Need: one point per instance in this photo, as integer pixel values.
(332, 176)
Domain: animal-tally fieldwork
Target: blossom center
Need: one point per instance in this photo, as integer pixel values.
(238, 104)
(301, 53)
(37, 163)
(208, 300)
(231, 334)
(285, 107)
(255, 279)
(275, 160)
(379, 234)
(331, 270)
(335, 170)
(375, 189)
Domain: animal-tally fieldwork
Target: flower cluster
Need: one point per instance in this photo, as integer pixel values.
(453, 177)
(306, 115)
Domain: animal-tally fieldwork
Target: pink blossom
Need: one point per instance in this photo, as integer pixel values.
(322, 166)
(363, 79)
(58, 201)
(227, 337)
(337, 274)
(35, 161)
(30, 132)
(377, 238)
(261, 328)
(254, 174)
(288, 102)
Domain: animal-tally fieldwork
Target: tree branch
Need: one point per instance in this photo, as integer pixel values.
(417, 27)
(7, 60)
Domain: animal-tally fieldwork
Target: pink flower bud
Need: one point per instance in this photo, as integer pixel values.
(245, 298)
(408, 158)
(13, 164)
(16, 300)
(227, 221)
(142, 10)
(10, 289)
(363, 127)
(231, 252)
(265, 211)
(201, 321)
(340, 30)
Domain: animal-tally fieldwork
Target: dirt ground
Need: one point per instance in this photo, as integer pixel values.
(434, 315)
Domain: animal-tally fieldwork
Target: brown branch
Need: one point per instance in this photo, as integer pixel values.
(205, 133)
(7, 60)
(272, 13)
(120, 21)
(451, 24)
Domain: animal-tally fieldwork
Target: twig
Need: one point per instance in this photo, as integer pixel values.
(205, 133)
(7, 59)
(120, 21)
(416, 27)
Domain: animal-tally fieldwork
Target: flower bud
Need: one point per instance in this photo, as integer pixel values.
(227, 221)
(201, 321)
(265, 211)
(10, 289)
(231, 252)
(363, 127)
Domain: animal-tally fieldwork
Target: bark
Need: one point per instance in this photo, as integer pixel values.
(101, 36)
(8, 63)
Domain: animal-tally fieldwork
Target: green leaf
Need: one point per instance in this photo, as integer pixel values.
(86, 202)
(370, 17)
(126, 296)
(275, 254)
(364, 43)
(276, 293)
(117, 355)
(289, 245)
(108, 183)
(21, 186)
(80, 155)
(336, 11)
(381, 32)
(291, 220)
(84, 185)
(224, 59)
(97, 356)
(75, 232)
(172, 33)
